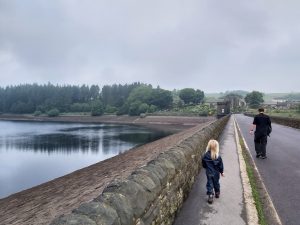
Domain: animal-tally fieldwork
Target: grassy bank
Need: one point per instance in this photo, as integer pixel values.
(286, 113)
(254, 183)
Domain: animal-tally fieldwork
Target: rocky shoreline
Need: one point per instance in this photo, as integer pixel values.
(167, 123)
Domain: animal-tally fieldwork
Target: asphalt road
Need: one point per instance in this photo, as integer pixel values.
(281, 170)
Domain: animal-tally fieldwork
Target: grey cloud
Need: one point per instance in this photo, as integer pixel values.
(201, 44)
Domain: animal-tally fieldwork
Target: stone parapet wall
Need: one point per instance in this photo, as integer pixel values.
(290, 122)
(153, 193)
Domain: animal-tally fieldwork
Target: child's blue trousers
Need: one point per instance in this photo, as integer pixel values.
(213, 183)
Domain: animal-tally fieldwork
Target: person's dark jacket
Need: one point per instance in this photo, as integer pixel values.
(212, 166)
(263, 125)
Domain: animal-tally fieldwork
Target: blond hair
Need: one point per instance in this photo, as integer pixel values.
(213, 147)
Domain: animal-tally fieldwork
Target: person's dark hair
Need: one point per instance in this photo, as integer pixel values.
(261, 110)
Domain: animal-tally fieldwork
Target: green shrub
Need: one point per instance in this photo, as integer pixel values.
(152, 109)
(143, 115)
(203, 113)
(134, 108)
(123, 110)
(110, 109)
(37, 113)
(143, 108)
(53, 112)
(97, 108)
(80, 107)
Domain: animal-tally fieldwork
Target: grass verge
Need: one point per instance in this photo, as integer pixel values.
(253, 182)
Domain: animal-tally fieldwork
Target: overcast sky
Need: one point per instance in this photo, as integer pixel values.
(204, 44)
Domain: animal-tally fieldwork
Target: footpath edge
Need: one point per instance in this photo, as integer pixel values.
(268, 201)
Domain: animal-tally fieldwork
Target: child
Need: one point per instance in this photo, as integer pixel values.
(213, 164)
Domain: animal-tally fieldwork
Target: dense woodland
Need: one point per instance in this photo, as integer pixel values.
(132, 99)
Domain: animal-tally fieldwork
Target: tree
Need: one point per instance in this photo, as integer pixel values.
(187, 95)
(161, 98)
(53, 112)
(97, 108)
(21, 107)
(190, 95)
(123, 109)
(134, 108)
(94, 92)
(80, 107)
(298, 108)
(142, 93)
(199, 96)
(145, 94)
(116, 95)
(110, 109)
(152, 109)
(254, 99)
(143, 108)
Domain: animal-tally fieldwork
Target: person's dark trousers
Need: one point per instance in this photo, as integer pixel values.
(260, 145)
(213, 183)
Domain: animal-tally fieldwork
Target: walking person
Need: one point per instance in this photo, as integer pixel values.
(263, 128)
(213, 164)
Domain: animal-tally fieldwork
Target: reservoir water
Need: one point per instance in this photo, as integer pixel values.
(32, 153)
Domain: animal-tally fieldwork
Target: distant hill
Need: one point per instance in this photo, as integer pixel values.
(272, 97)
(268, 97)
(293, 96)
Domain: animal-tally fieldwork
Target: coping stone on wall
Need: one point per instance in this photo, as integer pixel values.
(178, 156)
(187, 150)
(155, 168)
(120, 203)
(167, 166)
(99, 212)
(147, 183)
(133, 191)
(147, 171)
(73, 219)
(170, 158)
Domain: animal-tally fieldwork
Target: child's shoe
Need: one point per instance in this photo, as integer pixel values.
(210, 199)
(217, 194)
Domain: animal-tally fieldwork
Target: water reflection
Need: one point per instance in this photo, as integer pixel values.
(54, 142)
(33, 153)
(83, 138)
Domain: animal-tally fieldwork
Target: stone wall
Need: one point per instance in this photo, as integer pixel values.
(153, 193)
(287, 121)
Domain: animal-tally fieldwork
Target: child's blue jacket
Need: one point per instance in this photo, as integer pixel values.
(212, 166)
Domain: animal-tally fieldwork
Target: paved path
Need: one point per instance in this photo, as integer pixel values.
(229, 208)
(281, 170)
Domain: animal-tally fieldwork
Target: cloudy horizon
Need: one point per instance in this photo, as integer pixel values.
(210, 45)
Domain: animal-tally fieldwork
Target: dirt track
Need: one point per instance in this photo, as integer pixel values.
(41, 204)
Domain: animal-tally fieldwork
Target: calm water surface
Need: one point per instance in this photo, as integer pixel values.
(32, 153)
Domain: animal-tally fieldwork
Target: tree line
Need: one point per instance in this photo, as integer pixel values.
(132, 99)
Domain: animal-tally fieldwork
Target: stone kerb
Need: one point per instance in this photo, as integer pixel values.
(153, 193)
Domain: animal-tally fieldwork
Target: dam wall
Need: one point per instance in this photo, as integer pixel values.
(153, 193)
